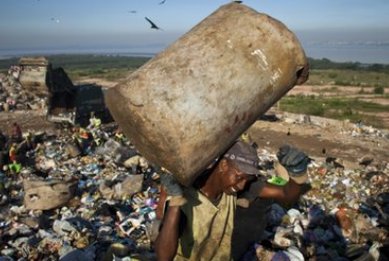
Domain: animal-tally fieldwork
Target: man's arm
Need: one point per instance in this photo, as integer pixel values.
(285, 195)
(167, 241)
(171, 199)
(292, 166)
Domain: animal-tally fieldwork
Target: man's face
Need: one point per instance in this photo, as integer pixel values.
(234, 180)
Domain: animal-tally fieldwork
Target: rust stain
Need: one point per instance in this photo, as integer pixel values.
(236, 119)
(244, 116)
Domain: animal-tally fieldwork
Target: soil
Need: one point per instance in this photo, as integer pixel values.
(330, 139)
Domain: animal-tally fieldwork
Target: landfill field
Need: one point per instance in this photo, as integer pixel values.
(86, 193)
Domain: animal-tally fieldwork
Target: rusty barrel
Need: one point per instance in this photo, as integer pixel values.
(189, 103)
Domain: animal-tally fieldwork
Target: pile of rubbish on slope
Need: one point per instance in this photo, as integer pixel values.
(87, 194)
(14, 97)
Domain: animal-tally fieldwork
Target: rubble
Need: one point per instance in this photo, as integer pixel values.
(64, 205)
(14, 97)
(34, 85)
(340, 218)
(44, 195)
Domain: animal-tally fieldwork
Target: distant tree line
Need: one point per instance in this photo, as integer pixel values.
(84, 61)
(323, 64)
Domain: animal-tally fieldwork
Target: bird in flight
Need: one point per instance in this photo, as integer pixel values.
(55, 19)
(132, 11)
(153, 25)
(162, 2)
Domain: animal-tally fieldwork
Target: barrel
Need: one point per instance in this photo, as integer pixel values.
(190, 102)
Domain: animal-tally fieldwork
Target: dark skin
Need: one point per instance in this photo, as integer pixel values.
(225, 178)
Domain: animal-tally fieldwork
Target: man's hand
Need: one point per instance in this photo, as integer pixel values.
(172, 187)
(173, 190)
(295, 162)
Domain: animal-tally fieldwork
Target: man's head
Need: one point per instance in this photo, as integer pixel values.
(239, 165)
(244, 156)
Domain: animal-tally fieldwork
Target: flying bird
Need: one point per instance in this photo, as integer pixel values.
(162, 2)
(55, 19)
(132, 11)
(153, 26)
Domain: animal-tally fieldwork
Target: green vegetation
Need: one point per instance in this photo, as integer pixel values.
(342, 77)
(336, 108)
(379, 90)
(325, 64)
(102, 66)
(109, 67)
(326, 72)
(6, 63)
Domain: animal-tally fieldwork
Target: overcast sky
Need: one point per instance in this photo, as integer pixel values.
(88, 24)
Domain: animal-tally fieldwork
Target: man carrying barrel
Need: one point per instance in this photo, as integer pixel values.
(198, 221)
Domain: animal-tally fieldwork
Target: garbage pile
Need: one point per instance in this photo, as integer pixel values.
(77, 199)
(87, 194)
(14, 97)
(345, 216)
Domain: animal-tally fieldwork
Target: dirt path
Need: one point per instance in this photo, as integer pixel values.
(28, 120)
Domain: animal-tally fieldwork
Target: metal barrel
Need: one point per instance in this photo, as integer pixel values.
(189, 103)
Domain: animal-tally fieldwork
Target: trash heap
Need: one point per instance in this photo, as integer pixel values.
(344, 216)
(70, 204)
(14, 97)
(96, 200)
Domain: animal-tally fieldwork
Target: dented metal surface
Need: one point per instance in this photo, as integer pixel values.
(189, 103)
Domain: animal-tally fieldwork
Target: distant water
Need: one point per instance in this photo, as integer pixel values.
(337, 53)
(5, 54)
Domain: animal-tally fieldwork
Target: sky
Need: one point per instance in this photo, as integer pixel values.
(342, 30)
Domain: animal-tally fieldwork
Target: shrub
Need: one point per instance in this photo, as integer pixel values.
(379, 90)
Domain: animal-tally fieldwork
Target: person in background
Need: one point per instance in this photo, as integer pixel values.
(94, 122)
(119, 136)
(82, 138)
(16, 133)
(14, 164)
(12, 154)
(198, 221)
